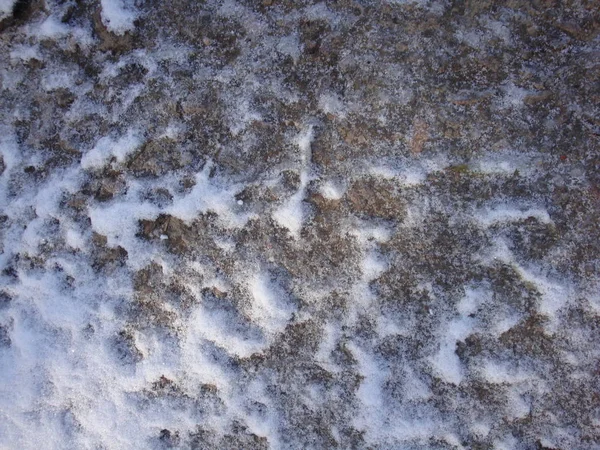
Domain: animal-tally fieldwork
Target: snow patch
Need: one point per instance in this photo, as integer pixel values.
(25, 53)
(292, 213)
(331, 190)
(118, 15)
(208, 194)
(52, 28)
(446, 362)
(107, 147)
(6, 8)
(330, 103)
(221, 329)
(290, 46)
(271, 307)
(508, 213)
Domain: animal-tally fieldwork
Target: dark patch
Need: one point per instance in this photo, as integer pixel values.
(125, 348)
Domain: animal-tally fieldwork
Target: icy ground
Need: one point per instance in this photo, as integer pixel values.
(296, 225)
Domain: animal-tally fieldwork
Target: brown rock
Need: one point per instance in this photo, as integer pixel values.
(110, 41)
(107, 258)
(156, 157)
(420, 135)
(352, 136)
(537, 98)
(376, 198)
(176, 231)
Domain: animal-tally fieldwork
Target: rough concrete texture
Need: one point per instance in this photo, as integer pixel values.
(235, 224)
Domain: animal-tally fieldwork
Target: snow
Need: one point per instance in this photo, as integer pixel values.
(209, 195)
(289, 318)
(51, 28)
(118, 15)
(290, 46)
(330, 103)
(446, 362)
(270, 308)
(332, 191)
(25, 53)
(215, 327)
(293, 213)
(508, 213)
(107, 147)
(6, 8)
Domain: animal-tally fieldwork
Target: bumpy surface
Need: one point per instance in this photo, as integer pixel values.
(288, 224)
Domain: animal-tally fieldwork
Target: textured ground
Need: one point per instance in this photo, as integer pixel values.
(287, 224)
